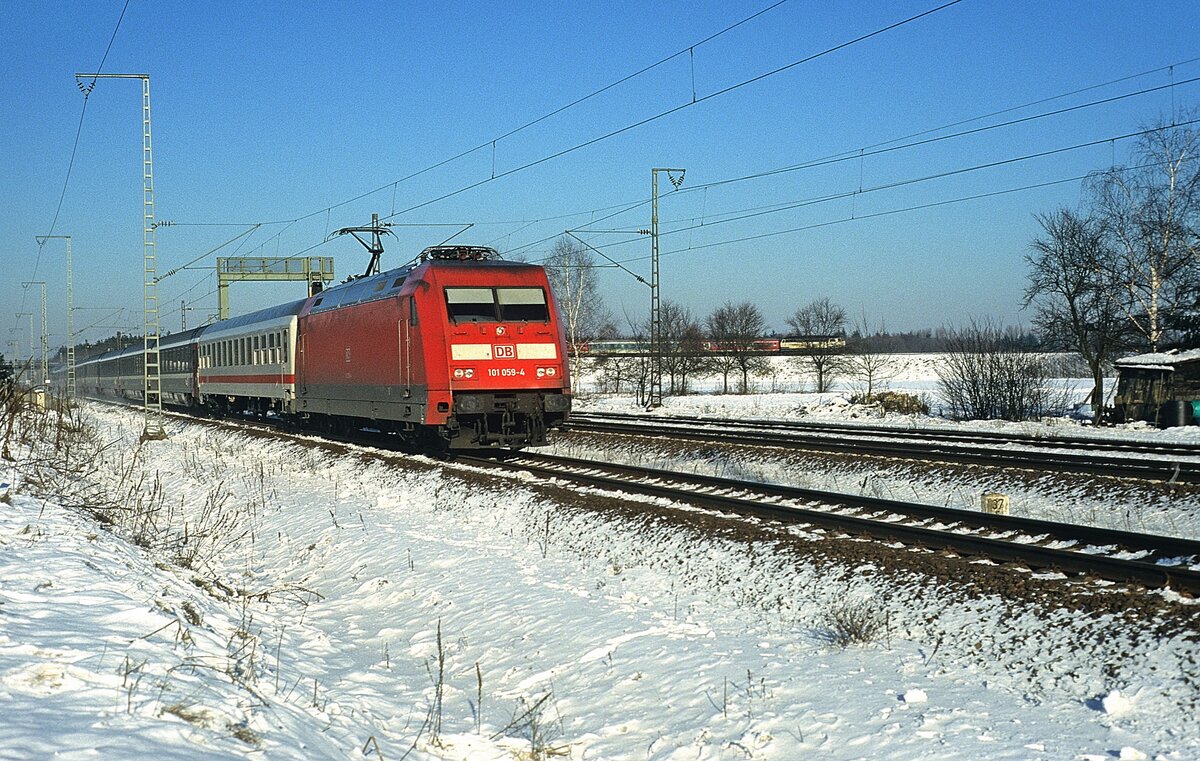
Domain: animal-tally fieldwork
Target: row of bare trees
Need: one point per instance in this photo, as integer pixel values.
(733, 327)
(1122, 273)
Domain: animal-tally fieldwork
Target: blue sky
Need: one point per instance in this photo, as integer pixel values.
(279, 113)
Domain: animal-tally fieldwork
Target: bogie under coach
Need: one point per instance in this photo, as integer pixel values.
(461, 349)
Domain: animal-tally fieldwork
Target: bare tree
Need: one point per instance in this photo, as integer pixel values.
(732, 329)
(1151, 214)
(820, 318)
(682, 337)
(1069, 287)
(574, 278)
(866, 362)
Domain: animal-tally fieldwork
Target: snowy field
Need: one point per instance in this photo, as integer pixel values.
(785, 394)
(277, 600)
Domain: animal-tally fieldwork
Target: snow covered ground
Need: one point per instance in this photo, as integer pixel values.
(279, 600)
(784, 394)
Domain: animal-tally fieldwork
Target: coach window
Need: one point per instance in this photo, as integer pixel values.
(471, 304)
(522, 305)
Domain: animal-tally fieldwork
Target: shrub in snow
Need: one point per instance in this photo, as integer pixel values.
(856, 623)
(989, 373)
(894, 401)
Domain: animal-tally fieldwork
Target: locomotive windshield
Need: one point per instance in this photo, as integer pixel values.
(497, 305)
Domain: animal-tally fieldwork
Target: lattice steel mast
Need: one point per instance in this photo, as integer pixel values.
(656, 350)
(70, 314)
(151, 375)
(45, 336)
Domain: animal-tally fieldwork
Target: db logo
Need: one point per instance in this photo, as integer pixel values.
(504, 351)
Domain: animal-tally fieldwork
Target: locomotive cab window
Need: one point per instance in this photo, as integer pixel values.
(522, 305)
(471, 304)
(497, 304)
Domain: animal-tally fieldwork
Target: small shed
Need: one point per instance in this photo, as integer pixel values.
(1162, 388)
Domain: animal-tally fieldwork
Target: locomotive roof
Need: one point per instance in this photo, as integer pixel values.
(383, 285)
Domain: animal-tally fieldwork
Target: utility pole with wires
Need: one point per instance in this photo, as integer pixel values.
(41, 239)
(30, 363)
(656, 352)
(45, 378)
(151, 373)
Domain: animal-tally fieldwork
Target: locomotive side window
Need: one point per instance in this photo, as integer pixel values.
(522, 305)
(471, 304)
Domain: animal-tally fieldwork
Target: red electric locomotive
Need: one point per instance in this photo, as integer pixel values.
(462, 349)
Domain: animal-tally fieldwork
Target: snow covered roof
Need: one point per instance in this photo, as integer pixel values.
(1163, 360)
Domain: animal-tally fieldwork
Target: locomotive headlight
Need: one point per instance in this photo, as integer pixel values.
(464, 372)
(459, 373)
(469, 373)
(547, 372)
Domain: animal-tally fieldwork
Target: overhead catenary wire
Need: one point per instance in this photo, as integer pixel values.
(911, 181)
(858, 153)
(558, 154)
(853, 218)
(490, 142)
(74, 148)
(681, 107)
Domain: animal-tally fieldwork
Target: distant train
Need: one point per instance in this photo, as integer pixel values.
(786, 345)
(460, 349)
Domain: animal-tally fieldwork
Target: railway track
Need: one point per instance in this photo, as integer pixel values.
(1175, 463)
(1076, 551)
